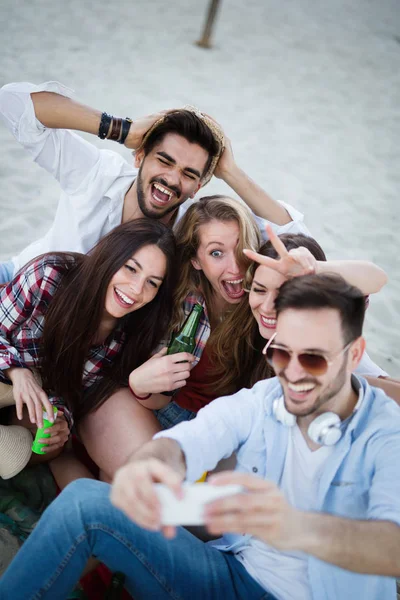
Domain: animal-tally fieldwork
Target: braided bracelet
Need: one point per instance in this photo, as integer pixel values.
(104, 126)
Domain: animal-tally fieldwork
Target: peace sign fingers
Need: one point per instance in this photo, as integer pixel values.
(281, 264)
(298, 261)
(265, 261)
(277, 242)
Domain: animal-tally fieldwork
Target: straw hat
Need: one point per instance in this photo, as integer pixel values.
(15, 441)
(15, 449)
(216, 130)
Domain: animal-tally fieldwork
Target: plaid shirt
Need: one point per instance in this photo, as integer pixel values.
(23, 305)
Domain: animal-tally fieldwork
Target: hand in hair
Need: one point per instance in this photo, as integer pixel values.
(27, 391)
(226, 162)
(292, 263)
(161, 373)
(140, 126)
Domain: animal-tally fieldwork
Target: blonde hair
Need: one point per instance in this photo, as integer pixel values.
(205, 210)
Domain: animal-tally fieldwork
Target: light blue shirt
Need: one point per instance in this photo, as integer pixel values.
(361, 478)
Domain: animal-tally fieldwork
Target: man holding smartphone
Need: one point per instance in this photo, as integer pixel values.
(318, 453)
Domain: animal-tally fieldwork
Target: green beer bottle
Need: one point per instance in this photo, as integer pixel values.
(184, 340)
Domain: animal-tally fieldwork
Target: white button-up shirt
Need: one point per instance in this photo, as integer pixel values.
(93, 181)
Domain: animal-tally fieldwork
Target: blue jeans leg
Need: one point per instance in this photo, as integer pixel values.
(172, 414)
(6, 272)
(82, 522)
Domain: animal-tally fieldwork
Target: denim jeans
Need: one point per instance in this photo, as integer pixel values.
(82, 522)
(172, 414)
(6, 272)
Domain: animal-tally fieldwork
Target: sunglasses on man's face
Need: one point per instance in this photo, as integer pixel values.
(314, 364)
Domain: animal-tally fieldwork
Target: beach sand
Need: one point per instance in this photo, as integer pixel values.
(307, 91)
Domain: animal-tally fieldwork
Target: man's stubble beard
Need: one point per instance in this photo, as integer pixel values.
(151, 214)
(340, 380)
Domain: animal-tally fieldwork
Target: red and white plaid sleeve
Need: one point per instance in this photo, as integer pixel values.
(33, 286)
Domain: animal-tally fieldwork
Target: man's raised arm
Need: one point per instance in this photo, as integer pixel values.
(56, 109)
(60, 112)
(284, 217)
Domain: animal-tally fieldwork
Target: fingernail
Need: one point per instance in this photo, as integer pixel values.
(46, 431)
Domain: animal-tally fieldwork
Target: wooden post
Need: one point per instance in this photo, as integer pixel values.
(213, 7)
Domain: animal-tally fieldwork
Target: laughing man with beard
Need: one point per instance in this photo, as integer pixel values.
(176, 153)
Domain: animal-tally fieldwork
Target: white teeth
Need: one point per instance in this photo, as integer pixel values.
(162, 189)
(234, 281)
(123, 297)
(268, 321)
(301, 387)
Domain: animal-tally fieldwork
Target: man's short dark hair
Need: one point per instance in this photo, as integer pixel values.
(188, 125)
(326, 290)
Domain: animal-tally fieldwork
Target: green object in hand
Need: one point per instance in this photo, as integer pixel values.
(37, 447)
(185, 340)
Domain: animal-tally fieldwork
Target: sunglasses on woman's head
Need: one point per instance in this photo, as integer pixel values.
(313, 363)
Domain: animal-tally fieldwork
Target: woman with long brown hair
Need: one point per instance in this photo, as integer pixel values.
(73, 327)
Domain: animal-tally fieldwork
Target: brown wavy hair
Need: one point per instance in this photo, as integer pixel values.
(74, 315)
(205, 210)
(236, 344)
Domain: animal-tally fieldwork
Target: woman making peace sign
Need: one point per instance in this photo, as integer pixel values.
(237, 343)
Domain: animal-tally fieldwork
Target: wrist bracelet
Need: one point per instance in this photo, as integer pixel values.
(139, 397)
(126, 125)
(115, 129)
(104, 126)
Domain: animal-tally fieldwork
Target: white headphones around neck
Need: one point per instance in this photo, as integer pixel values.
(323, 430)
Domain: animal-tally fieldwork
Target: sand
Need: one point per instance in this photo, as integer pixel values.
(307, 91)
